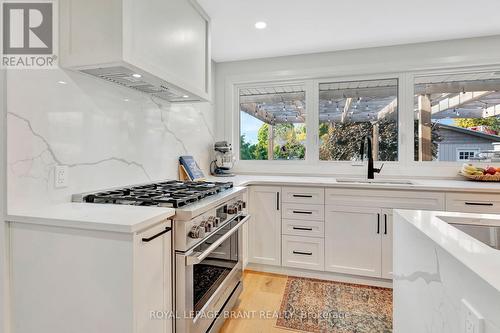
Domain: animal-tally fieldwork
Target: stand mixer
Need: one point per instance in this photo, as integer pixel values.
(224, 160)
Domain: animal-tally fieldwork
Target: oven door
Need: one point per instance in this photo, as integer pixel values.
(208, 276)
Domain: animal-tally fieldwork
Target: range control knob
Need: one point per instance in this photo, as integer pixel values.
(216, 221)
(232, 209)
(207, 225)
(213, 221)
(197, 231)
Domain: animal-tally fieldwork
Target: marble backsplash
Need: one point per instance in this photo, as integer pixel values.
(106, 134)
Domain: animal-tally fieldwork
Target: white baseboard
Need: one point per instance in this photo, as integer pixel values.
(320, 275)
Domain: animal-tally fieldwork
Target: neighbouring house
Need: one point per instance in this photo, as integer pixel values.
(462, 144)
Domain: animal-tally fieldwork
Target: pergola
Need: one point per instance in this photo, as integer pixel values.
(475, 95)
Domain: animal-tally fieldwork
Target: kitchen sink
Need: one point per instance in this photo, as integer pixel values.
(375, 181)
(484, 230)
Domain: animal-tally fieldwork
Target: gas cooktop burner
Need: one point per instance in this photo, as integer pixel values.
(166, 194)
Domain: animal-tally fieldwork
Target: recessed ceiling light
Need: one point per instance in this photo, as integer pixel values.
(260, 25)
(137, 75)
(185, 96)
(62, 82)
(126, 99)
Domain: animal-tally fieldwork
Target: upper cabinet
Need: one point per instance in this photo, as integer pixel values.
(160, 47)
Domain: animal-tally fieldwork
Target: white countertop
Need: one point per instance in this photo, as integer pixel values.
(123, 218)
(472, 253)
(448, 185)
(116, 218)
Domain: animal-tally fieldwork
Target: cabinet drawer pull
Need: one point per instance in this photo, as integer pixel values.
(277, 200)
(302, 196)
(302, 212)
(378, 223)
(303, 253)
(385, 224)
(479, 203)
(302, 228)
(146, 240)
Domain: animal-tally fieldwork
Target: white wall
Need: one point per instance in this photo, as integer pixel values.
(106, 134)
(395, 61)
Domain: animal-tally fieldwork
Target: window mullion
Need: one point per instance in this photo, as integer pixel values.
(312, 121)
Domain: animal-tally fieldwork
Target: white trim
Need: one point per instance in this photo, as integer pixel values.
(459, 150)
(3, 205)
(338, 277)
(404, 167)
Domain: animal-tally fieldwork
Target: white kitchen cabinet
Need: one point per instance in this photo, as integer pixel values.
(167, 38)
(304, 195)
(305, 212)
(153, 278)
(386, 232)
(473, 203)
(353, 240)
(264, 229)
(80, 281)
(303, 252)
(385, 198)
(303, 228)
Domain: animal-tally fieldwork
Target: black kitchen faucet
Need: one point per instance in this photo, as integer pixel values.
(371, 169)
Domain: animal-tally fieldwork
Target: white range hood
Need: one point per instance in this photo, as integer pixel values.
(157, 47)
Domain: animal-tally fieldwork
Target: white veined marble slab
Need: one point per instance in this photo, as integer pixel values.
(437, 267)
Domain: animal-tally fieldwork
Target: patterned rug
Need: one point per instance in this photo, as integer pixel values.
(311, 305)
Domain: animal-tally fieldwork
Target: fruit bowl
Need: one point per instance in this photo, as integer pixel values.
(481, 178)
(488, 174)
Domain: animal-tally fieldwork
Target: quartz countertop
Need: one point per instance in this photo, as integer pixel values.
(448, 185)
(115, 218)
(472, 253)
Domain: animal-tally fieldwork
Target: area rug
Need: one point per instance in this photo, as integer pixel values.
(311, 305)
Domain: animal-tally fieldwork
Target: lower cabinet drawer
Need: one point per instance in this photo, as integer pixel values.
(303, 252)
(473, 203)
(303, 228)
(303, 212)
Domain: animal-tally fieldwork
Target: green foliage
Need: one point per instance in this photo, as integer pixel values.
(247, 151)
(288, 143)
(262, 143)
(491, 122)
(342, 141)
(435, 138)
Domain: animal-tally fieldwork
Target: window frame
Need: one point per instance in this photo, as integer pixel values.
(437, 72)
(237, 120)
(465, 150)
(311, 79)
(372, 77)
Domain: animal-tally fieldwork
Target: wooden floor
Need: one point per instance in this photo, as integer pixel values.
(262, 292)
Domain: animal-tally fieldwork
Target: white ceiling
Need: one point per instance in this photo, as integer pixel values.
(310, 26)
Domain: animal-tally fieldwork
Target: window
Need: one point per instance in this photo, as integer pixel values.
(457, 117)
(350, 111)
(466, 154)
(272, 123)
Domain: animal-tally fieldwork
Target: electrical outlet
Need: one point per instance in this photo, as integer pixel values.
(472, 321)
(61, 176)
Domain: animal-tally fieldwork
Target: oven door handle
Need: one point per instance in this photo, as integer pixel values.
(196, 259)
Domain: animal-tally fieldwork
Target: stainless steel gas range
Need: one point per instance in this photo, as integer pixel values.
(207, 244)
